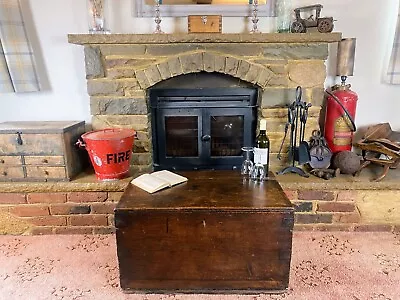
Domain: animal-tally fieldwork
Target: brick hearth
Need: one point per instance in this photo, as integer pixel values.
(85, 206)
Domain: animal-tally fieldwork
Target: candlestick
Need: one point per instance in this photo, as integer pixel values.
(254, 16)
(157, 18)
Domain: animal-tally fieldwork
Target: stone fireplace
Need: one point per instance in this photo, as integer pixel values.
(122, 68)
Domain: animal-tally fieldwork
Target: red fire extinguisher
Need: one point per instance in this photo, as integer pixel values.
(339, 117)
(341, 101)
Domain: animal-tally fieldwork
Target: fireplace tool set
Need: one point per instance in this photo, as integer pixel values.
(298, 147)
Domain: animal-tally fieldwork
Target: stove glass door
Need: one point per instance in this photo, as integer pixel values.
(203, 137)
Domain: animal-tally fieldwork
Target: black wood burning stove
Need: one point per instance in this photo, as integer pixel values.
(202, 128)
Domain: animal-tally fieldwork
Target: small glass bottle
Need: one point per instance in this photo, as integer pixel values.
(283, 15)
(97, 15)
(261, 153)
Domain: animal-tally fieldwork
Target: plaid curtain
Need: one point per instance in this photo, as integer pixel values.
(392, 75)
(17, 63)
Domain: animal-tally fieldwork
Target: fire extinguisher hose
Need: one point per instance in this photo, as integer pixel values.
(353, 124)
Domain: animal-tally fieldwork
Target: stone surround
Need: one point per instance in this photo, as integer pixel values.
(121, 67)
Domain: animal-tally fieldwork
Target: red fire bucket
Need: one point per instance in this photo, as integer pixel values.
(110, 151)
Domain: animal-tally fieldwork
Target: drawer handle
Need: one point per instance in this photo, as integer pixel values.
(46, 172)
(2, 161)
(4, 173)
(45, 161)
(19, 138)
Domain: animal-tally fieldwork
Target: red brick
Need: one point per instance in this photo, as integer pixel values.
(303, 206)
(333, 227)
(68, 209)
(304, 218)
(303, 227)
(48, 221)
(12, 198)
(61, 209)
(30, 210)
(291, 194)
(347, 196)
(73, 230)
(373, 227)
(103, 208)
(353, 217)
(335, 207)
(316, 195)
(80, 210)
(83, 197)
(104, 230)
(47, 197)
(41, 230)
(88, 220)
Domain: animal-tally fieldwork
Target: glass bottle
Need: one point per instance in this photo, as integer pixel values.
(97, 15)
(283, 15)
(261, 151)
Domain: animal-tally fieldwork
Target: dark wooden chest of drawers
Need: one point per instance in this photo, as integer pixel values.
(40, 150)
(214, 233)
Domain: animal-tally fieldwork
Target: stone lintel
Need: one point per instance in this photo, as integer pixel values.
(83, 39)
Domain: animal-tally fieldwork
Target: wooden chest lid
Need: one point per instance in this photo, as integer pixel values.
(219, 190)
(39, 126)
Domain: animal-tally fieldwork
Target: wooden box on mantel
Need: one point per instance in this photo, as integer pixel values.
(205, 24)
(214, 233)
(40, 151)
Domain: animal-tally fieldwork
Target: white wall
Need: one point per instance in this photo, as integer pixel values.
(61, 65)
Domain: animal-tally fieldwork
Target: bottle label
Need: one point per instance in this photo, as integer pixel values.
(261, 156)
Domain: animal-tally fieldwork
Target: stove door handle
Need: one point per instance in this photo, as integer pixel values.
(206, 138)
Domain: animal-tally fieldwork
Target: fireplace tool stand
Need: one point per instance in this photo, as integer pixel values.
(298, 148)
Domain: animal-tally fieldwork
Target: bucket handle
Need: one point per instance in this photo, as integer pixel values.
(80, 143)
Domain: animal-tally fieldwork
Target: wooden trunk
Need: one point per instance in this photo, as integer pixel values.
(214, 233)
(40, 151)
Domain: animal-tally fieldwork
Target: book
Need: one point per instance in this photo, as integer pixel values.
(158, 180)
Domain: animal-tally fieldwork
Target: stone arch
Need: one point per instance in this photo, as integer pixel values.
(206, 61)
